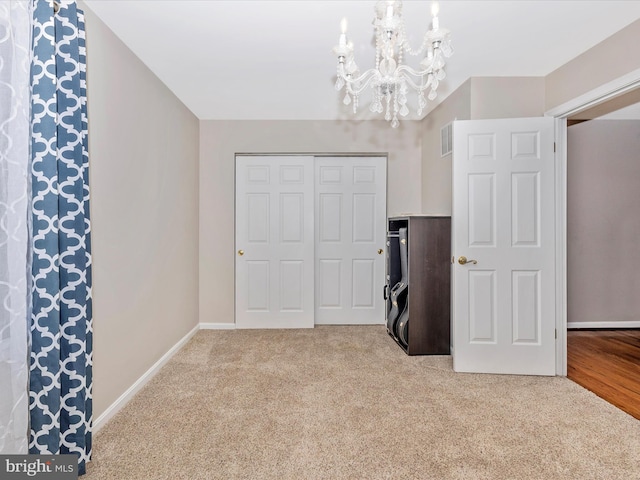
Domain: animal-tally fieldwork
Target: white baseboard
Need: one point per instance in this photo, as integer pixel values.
(629, 324)
(217, 326)
(123, 399)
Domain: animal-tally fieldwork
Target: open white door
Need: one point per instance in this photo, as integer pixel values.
(350, 239)
(274, 242)
(504, 224)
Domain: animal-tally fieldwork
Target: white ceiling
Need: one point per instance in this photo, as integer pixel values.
(272, 59)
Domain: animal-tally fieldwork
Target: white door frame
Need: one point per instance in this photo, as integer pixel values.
(597, 96)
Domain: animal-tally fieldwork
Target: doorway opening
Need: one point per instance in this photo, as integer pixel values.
(605, 347)
(613, 91)
(603, 309)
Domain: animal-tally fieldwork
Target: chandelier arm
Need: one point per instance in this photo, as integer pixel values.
(366, 78)
(415, 73)
(422, 86)
(418, 88)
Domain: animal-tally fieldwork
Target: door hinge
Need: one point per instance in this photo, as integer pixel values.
(556, 332)
(554, 147)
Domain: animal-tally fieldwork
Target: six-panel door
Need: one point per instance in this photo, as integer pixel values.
(350, 239)
(504, 220)
(274, 242)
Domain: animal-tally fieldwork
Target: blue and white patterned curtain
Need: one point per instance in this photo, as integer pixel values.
(61, 322)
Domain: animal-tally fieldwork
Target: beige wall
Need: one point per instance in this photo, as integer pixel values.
(436, 170)
(611, 59)
(603, 225)
(220, 141)
(144, 206)
(477, 98)
(507, 97)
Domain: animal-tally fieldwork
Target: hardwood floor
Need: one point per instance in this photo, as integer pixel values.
(607, 362)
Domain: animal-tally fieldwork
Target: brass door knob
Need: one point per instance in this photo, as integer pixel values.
(240, 252)
(463, 260)
(380, 251)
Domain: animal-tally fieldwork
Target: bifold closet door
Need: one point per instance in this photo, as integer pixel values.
(350, 218)
(274, 242)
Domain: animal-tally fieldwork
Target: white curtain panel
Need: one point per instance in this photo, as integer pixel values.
(15, 266)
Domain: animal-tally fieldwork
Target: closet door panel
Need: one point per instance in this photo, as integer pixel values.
(350, 232)
(274, 242)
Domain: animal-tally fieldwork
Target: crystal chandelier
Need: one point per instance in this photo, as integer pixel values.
(391, 78)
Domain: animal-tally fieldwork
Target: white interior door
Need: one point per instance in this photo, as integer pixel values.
(503, 219)
(274, 242)
(350, 218)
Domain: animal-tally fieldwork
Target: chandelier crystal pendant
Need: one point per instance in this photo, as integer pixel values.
(391, 78)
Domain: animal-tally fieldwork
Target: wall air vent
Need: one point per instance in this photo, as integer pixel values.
(446, 140)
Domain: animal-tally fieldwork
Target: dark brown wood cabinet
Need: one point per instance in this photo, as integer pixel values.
(428, 297)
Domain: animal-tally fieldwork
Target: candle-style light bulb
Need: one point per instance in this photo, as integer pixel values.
(435, 9)
(343, 25)
(342, 41)
(389, 9)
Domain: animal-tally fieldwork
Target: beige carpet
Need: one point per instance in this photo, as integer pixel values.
(347, 403)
